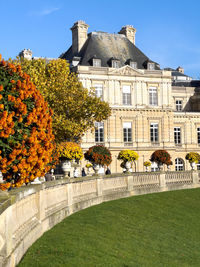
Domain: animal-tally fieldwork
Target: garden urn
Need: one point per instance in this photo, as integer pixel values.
(96, 168)
(66, 166)
(192, 164)
(160, 167)
(128, 166)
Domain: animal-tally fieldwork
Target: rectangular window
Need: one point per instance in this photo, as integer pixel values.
(198, 135)
(99, 132)
(154, 132)
(96, 62)
(177, 135)
(115, 64)
(99, 90)
(153, 96)
(151, 66)
(126, 92)
(178, 105)
(133, 65)
(127, 129)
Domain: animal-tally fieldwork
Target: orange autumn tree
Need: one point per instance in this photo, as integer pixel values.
(26, 138)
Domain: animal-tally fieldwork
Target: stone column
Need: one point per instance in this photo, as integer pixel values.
(130, 183)
(162, 179)
(99, 182)
(195, 177)
(70, 197)
(40, 198)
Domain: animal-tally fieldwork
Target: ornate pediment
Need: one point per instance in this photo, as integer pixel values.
(127, 71)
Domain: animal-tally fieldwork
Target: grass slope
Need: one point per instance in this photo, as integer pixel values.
(150, 230)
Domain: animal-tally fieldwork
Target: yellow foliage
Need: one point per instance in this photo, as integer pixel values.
(128, 155)
(147, 163)
(75, 109)
(70, 150)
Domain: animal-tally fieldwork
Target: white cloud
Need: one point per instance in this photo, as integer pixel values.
(45, 11)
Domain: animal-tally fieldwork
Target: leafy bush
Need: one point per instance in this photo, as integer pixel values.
(161, 157)
(99, 155)
(193, 157)
(70, 150)
(128, 155)
(147, 163)
(88, 165)
(26, 138)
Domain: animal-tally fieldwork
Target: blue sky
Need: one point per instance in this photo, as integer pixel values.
(168, 32)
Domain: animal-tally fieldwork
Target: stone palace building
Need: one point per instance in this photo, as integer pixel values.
(152, 108)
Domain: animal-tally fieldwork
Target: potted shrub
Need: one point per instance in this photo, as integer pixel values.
(147, 164)
(128, 156)
(161, 157)
(69, 151)
(169, 163)
(193, 158)
(89, 167)
(99, 156)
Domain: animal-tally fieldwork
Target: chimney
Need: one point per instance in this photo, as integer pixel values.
(129, 32)
(26, 54)
(180, 69)
(79, 35)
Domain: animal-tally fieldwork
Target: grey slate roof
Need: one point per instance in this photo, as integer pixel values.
(193, 83)
(175, 72)
(105, 46)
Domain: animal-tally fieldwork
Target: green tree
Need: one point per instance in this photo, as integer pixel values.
(75, 108)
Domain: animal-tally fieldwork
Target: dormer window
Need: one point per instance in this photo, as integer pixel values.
(115, 64)
(151, 66)
(96, 62)
(133, 64)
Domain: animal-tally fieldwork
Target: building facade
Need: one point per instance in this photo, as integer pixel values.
(152, 108)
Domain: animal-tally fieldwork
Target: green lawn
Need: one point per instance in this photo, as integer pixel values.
(160, 229)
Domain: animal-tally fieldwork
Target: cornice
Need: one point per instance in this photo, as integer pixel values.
(140, 109)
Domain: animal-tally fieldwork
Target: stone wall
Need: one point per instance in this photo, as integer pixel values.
(26, 213)
(140, 113)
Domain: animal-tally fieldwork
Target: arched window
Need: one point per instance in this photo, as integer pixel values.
(179, 164)
(198, 165)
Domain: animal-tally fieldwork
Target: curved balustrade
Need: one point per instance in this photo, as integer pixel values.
(26, 213)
